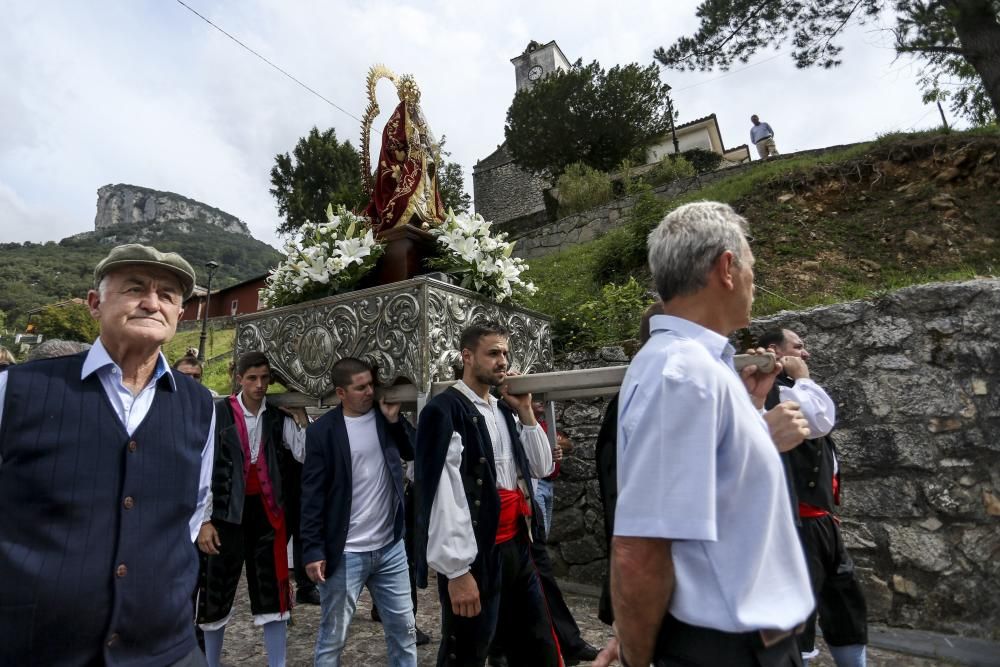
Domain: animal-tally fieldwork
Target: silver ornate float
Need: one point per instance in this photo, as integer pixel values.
(408, 329)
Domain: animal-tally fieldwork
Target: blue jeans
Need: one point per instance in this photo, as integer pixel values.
(386, 574)
(545, 496)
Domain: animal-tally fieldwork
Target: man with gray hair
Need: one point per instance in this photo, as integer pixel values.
(106, 465)
(706, 566)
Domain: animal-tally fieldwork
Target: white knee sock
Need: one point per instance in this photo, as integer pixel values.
(274, 641)
(213, 646)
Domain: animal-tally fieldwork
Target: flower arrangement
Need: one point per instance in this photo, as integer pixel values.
(480, 261)
(329, 258)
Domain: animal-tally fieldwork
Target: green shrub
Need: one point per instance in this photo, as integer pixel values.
(702, 160)
(582, 187)
(613, 316)
(672, 167)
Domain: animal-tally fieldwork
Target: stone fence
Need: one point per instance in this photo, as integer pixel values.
(915, 378)
(536, 238)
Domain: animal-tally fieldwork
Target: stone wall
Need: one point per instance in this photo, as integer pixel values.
(538, 240)
(503, 191)
(915, 379)
(133, 205)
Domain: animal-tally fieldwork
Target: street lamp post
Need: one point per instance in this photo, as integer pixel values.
(211, 265)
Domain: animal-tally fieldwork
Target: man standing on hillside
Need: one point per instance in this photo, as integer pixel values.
(706, 568)
(246, 521)
(106, 465)
(814, 482)
(475, 459)
(762, 136)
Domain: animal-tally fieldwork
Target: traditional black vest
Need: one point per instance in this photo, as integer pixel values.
(809, 467)
(228, 483)
(445, 414)
(96, 559)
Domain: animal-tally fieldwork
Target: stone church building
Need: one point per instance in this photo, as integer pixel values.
(504, 193)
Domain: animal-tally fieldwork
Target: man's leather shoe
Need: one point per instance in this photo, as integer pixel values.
(582, 653)
(422, 638)
(307, 596)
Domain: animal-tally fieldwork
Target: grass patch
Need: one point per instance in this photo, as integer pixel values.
(830, 228)
(218, 341)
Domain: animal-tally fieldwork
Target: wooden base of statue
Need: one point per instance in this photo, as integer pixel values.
(406, 249)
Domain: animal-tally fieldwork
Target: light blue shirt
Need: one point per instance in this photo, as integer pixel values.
(131, 410)
(760, 131)
(696, 465)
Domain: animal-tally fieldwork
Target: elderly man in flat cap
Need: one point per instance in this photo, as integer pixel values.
(104, 482)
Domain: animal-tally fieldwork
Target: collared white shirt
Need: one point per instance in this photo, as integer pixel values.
(696, 465)
(292, 437)
(451, 542)
(816, 405)
(131, 410)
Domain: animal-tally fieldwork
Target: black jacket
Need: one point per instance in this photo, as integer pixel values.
(447, 413)
(328, 486)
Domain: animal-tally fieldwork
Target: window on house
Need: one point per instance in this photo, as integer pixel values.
(234, 306)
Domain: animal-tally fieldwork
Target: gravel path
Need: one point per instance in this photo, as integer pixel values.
(244, 644)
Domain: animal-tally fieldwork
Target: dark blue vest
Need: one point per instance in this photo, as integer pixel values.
(96, 559)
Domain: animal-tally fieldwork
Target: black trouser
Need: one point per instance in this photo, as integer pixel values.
(292, 486)
(249, 543)
(683, 645)
(567, 631)
(840, 603)
(516, 615)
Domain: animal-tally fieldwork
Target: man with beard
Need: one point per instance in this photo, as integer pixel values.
(475, 460)
(814, 482)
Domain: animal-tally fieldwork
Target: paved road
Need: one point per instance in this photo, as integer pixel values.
(244, 645)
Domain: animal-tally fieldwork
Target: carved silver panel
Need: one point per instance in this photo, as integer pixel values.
(409, 330)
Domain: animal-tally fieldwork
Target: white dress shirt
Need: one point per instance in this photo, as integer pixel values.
(292, 437)
(816, 405)
(696, 465)
(451, 542)
(132, 409)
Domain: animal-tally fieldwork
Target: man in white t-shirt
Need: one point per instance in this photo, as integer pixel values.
(353, 515)
(706, 567)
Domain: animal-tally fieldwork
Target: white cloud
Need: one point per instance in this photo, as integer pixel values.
(147, 93)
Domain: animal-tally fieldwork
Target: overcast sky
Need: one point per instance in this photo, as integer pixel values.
(146, 93)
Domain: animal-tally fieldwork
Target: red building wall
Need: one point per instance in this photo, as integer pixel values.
(238, 299)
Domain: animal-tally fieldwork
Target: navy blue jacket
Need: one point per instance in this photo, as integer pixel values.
(327, 482)
(451, 412)
(96, 560)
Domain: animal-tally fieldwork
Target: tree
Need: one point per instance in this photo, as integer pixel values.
(451, 182)
(71, 321)
(959, 38)
(321, 171)
(451, 185)
(587, 115)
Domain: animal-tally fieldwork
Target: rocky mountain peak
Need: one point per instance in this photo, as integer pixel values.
(123, 204)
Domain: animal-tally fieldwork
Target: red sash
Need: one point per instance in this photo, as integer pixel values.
(513, 505)
(258, 482)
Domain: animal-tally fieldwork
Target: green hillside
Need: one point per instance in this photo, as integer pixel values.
(36, 274)
(841, 225)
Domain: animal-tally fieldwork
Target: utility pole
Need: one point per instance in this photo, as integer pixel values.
(944, 121)
(673, 129)
(211, 265)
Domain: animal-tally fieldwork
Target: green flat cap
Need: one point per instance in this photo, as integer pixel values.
(135, 253)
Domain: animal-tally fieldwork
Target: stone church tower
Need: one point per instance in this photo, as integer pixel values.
(503, 192)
